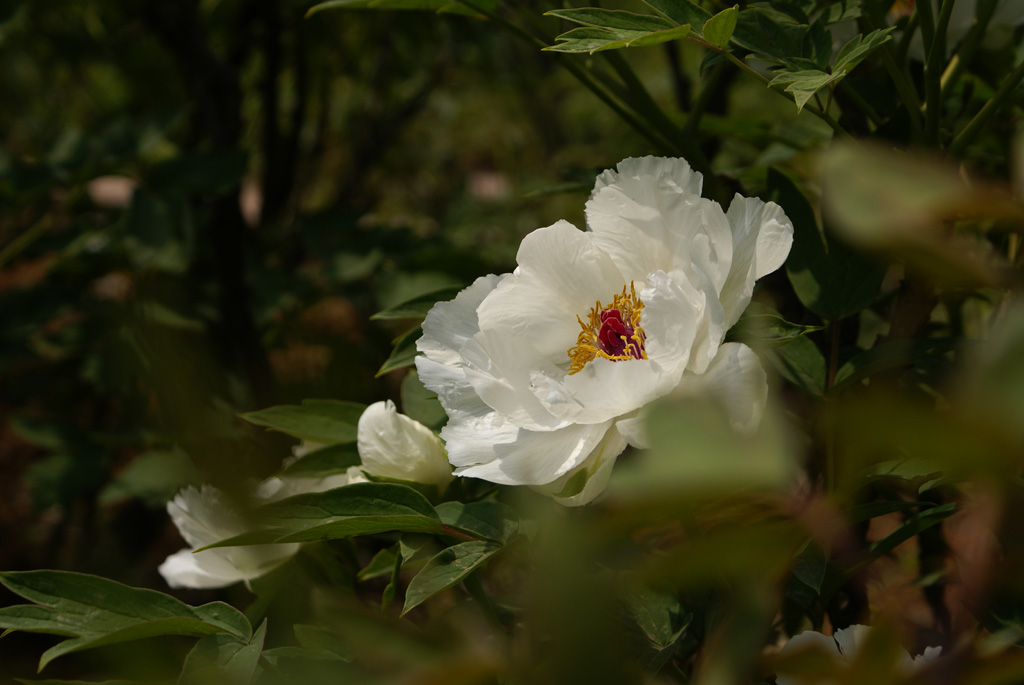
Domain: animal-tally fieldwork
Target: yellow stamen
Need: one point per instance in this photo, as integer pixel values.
(589, 345)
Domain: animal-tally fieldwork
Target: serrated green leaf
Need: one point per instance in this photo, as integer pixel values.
(404, 353)
(327, 422)
(615, 20)
(804, 84)
(858, 48)
(417, 307)
(767, 329)
(95, 611)
(223, 660)
(719, 28)
(591, 39)
(448, 567)
(843, 10)
(491, 520)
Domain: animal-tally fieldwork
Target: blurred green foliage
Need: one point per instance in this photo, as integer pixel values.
(204, 202)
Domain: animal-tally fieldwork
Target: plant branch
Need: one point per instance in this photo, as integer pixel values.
(972, 129)
(934, 59)
(969, 46)
(821, 114)
(900, 79)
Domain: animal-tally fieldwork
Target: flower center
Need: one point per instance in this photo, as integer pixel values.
(611, 331)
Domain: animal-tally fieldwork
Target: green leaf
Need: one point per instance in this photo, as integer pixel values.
(613, 19)
(770, 34)
(94, 611)
(404, 353)
(327, 422)
(223, 660)
(870, 510)
(767, 329)
(809, 566)
(152, 477)
(421, 403)
(680, 11)
(491, 520)
(592, 39)
(719, 28)
(841, 11)
(382, 564)
(317, 637)
(801, 363)
(439, 6)
(658, 622)
(417, 307)
(890, 355)
(357, 509)
(445, 569)
(323, 462)
(858, 48)
(830, 279)
(912, 527)
(804, 84)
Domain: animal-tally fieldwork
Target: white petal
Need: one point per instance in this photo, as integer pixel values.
(204, 516)
(763, 236)
(393, 445)
(850, 640)
(514, 456)
(561, 275)
(806, 640)
(603, 389)
(181, 570)
(588, 480)
(450, 324)
(673, 313)
(633, 429)
(736, 380)
(499, 367)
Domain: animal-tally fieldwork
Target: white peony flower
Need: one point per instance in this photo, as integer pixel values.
(206, 516)
(392, 445)
(542, 371)
(845, 645)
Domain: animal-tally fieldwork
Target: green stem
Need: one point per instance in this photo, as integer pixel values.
(646, 105)
(824, 116)
(934, 59)
(965, 137)
(909, 29)
(874, 19)
(582, 75)
(969, 46)
(707, 91)
(861, 104)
